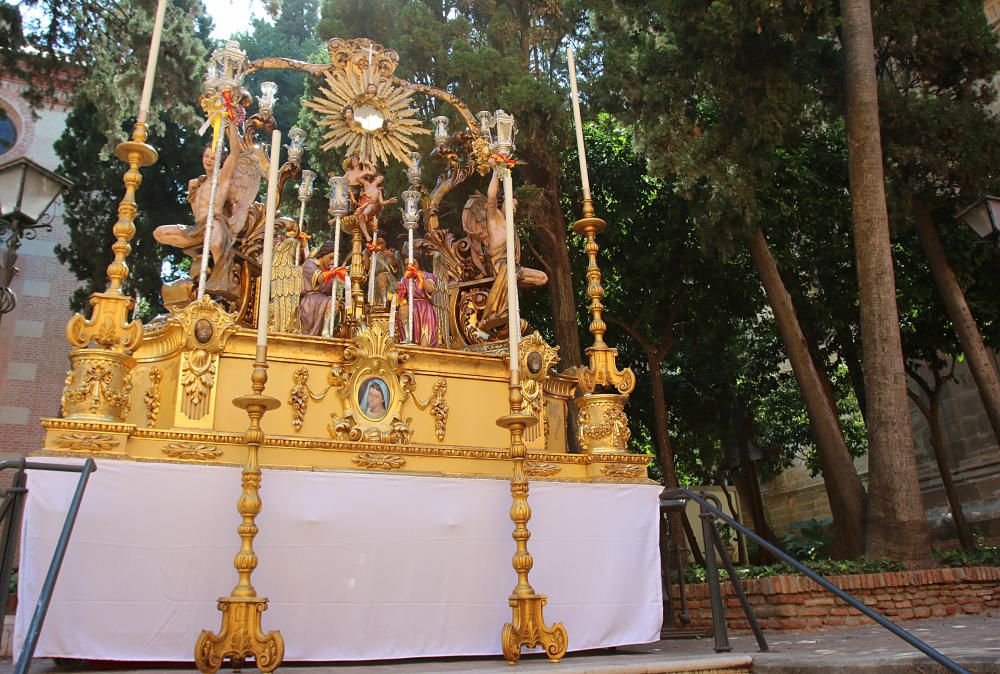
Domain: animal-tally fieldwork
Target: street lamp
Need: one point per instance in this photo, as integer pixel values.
(26, 192)
(984, 217)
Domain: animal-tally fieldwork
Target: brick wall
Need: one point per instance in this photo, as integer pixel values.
(33, 348)
(797, 603)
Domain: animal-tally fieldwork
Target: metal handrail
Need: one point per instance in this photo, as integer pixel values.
(895, 629)
(12, 511)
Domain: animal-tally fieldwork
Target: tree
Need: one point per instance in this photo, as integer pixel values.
(104, 105)
(897, 527)
(715, 92)
(291, 35)
(934, 95)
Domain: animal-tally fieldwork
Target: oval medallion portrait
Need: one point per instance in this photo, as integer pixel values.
(373, 398)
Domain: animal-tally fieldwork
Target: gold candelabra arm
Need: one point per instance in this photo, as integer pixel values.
(241, 636)
(527, 628)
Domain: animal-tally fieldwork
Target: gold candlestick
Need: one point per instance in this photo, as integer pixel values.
(527, 628)
(241, 636)
(103, 344)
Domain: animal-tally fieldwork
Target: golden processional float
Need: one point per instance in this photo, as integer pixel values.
(371, 360)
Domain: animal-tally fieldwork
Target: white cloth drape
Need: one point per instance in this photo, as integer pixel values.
(356, 565)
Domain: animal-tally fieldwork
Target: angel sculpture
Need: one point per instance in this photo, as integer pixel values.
(286, 279)
(484, 221)
(238, 184)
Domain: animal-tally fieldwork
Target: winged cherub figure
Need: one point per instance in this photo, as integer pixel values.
(238, 185)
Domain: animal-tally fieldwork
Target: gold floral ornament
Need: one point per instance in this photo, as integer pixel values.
(369, 114)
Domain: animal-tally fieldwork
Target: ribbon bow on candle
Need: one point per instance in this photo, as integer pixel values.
(216, 107)
(503, 159)
(373, 247)
(339, 273)
(413, 273)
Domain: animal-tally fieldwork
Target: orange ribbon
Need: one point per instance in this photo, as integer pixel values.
(339, 273)
(414, 273)
(373, 247)
(503, 159)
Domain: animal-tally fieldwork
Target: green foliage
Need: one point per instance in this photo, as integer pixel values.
(105, 103)
(979, 557)
(809, 540)
(291, 35)
(824, 567)
(92, 204)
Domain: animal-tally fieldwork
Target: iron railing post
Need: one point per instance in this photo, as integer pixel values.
(45, 596)
(714, 590)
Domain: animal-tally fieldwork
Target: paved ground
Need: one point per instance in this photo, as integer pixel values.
(974, 641)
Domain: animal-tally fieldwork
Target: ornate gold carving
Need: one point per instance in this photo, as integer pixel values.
(535, 361)
(379, 461)
(104, 391)
(87, 442)
(198, 370)
(298, 397)
(601, 422)
(240, 638)
(440, 408)
(375, 361)
(540, 468)
(152, 397)
(623, 470)
(191, 450)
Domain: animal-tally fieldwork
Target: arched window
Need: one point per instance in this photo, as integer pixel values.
(8, 132)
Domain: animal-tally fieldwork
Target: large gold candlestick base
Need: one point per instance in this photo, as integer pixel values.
(241, 637)
(527, 629)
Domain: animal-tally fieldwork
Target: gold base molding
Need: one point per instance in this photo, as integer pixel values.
(527, 629)
(71, 437)
(240, 638)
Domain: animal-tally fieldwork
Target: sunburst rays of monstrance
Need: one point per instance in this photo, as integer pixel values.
(368, 114)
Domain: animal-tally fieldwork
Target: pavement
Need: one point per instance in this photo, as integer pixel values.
(973, 641)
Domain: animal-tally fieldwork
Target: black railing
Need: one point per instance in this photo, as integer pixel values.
(10, 515)
(710, 513)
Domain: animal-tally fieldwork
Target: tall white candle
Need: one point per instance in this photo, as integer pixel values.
(154, 52)
(264, 299)
(301, 250)
(372, 269)
(392, 317)
(347, 295)
(577, 120)
(409, 290)
(513, 313)
(206, 245)
(333, 286)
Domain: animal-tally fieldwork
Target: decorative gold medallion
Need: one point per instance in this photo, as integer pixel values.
(87, 442)
(379, 461)
(540, 469)
(623, 470)
(191, 450)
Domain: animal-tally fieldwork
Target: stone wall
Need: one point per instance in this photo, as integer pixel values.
(797, 603)
(972, 453)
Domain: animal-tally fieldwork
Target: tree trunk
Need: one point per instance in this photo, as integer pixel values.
(664, 448)
(932, 412)
(897, 526)
(562, 297)
(843, 486)
(980, 363)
